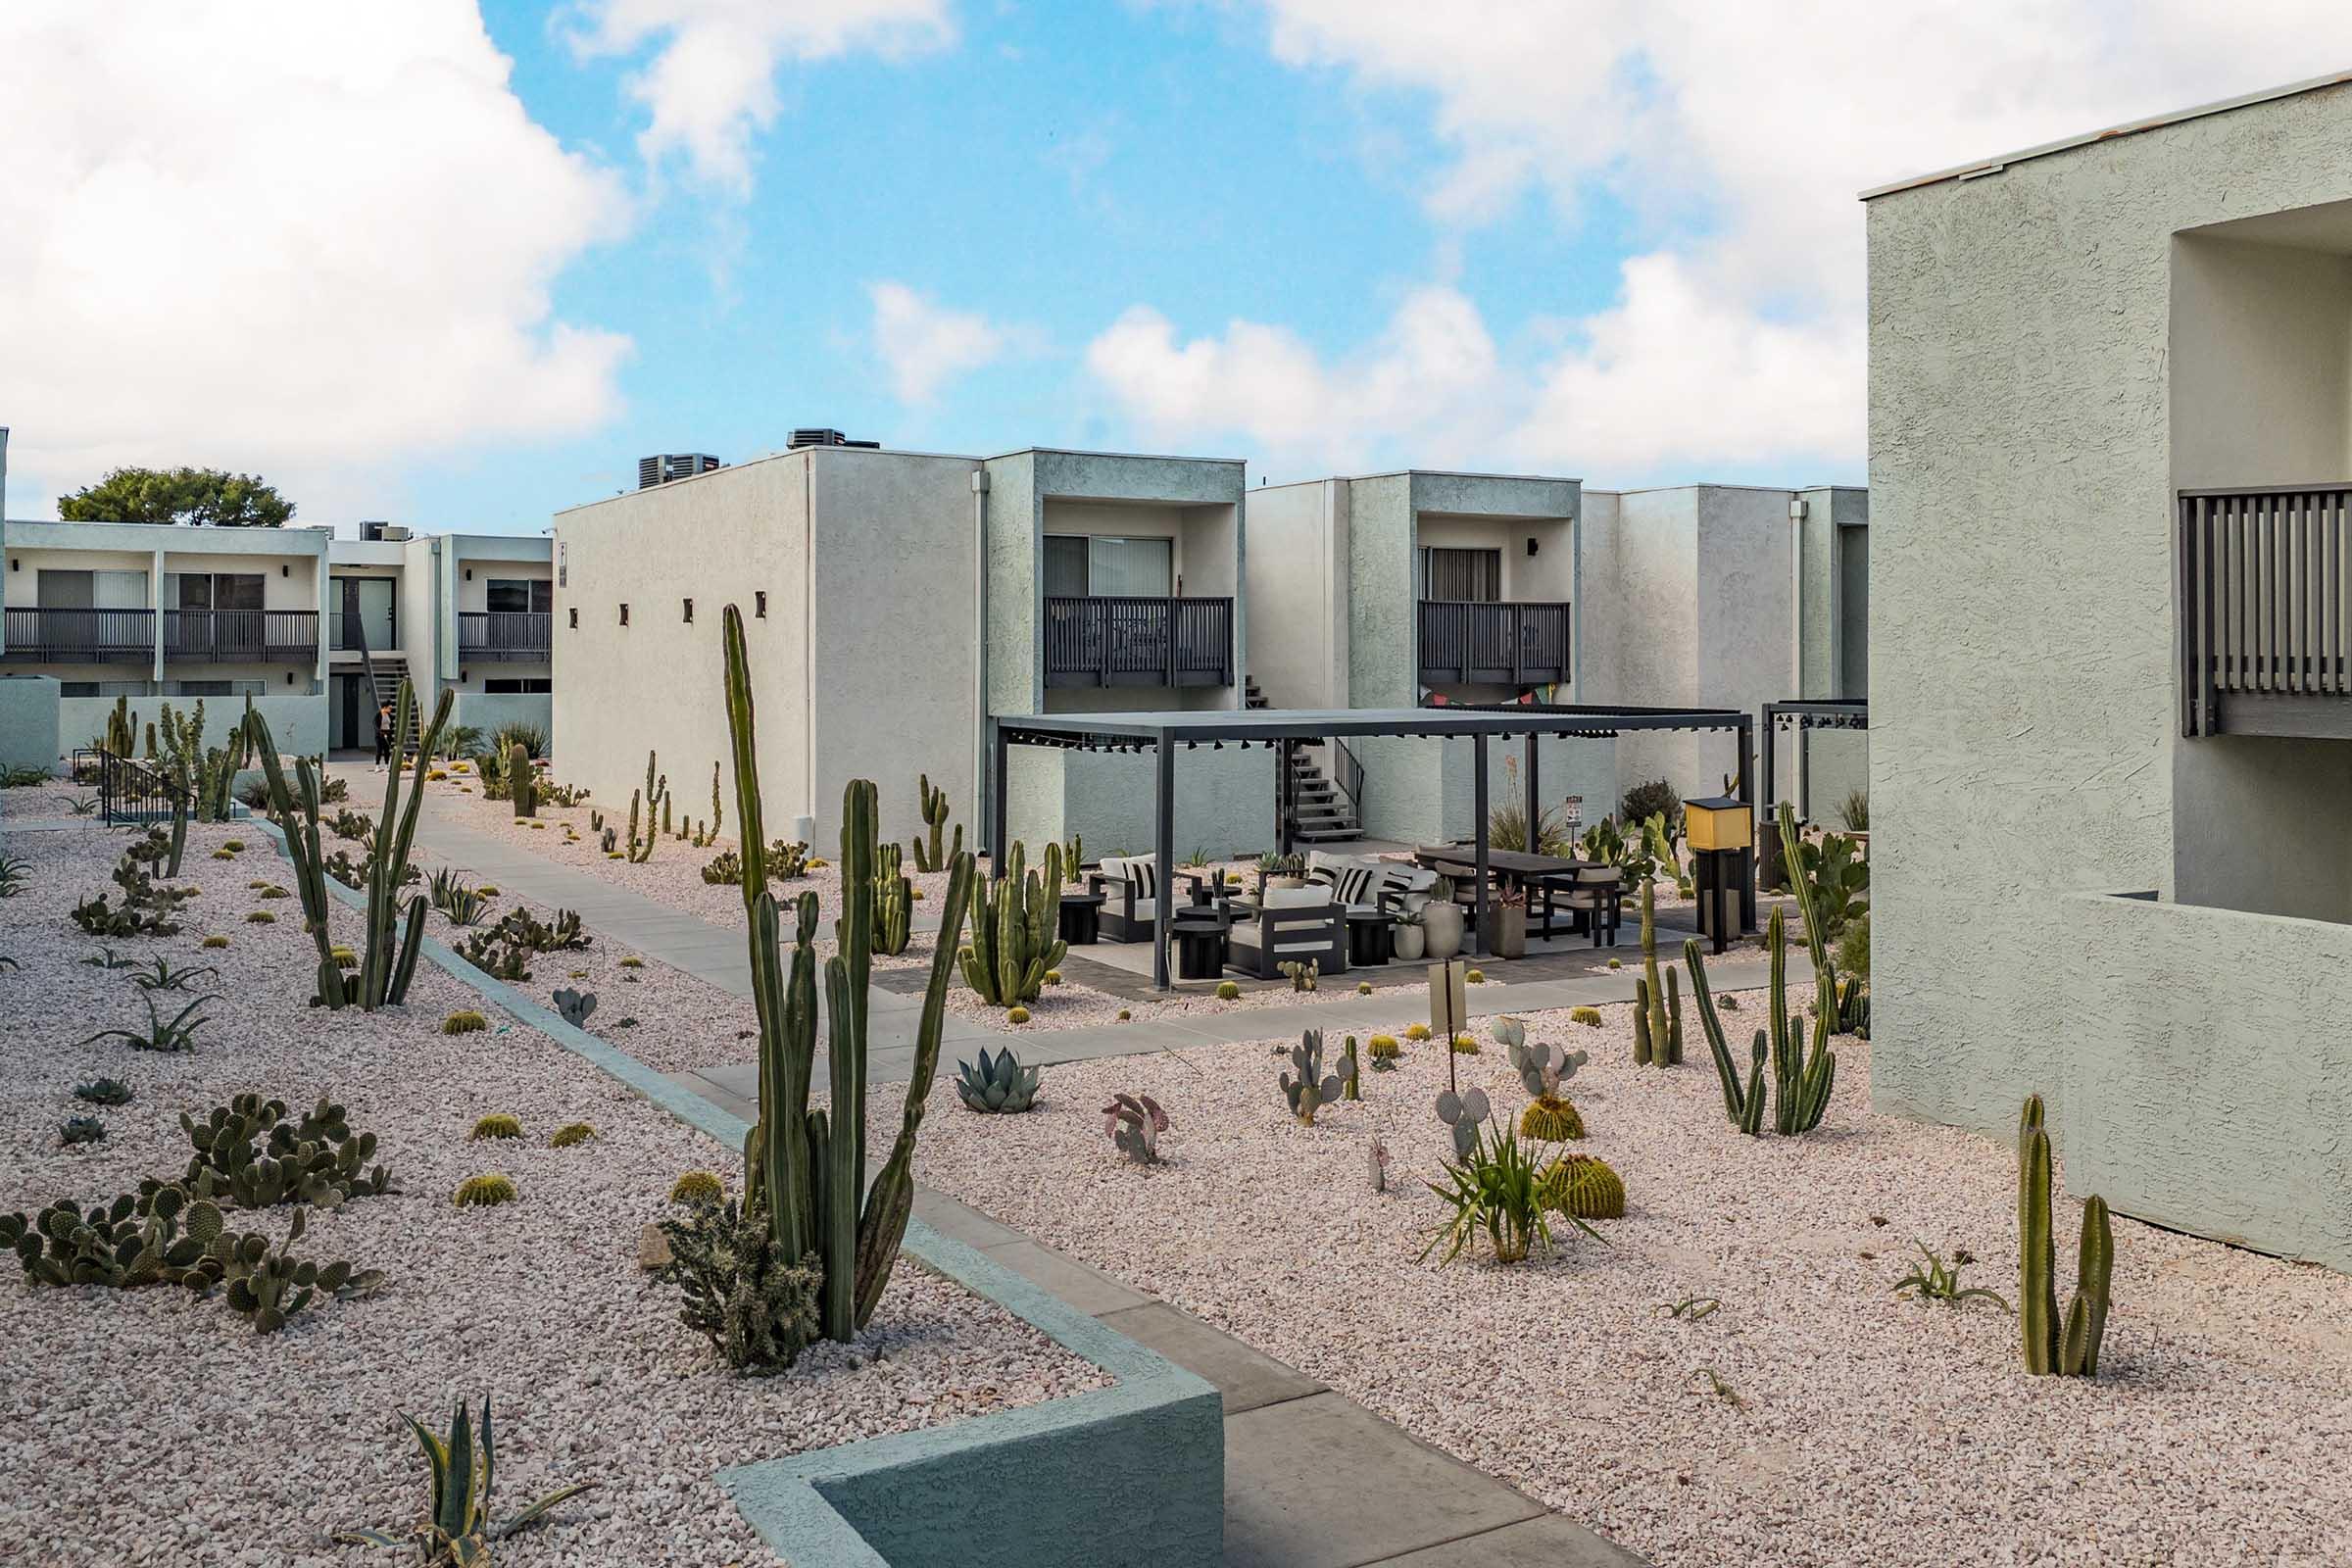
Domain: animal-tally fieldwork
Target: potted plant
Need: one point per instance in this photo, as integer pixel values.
(1281, 870)
(1405, 935)
(1506, 925)
(1441, 922)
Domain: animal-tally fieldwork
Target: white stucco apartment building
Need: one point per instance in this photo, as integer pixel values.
(2111, 435)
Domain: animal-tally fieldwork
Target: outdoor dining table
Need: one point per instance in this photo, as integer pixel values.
(1511, 868)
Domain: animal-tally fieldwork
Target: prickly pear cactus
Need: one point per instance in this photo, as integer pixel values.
(1464, 1112)
(1313, 1088)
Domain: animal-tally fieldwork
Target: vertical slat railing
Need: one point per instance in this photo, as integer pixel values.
(2264, 596)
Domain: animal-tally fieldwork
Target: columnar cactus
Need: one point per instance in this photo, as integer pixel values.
(1801, 1081)
(1350, 1072)
(2074, 1351)
(805, 1168)
(1313, 1088)
(386, 967)
(928, 855)
(893, 901)
(655, 799)
(1014, 941)
(523, 780)
(1658, 1011)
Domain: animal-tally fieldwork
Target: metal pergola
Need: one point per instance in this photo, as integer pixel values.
(1279, 729)
(1803, 715)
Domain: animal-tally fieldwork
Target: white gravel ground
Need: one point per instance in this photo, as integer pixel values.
(144, 1427)
(1866, 1429)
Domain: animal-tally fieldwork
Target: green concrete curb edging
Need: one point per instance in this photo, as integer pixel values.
(1131, 1476)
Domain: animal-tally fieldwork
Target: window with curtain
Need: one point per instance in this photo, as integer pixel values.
(1475, 575)
(516, 596)
(1107, 566)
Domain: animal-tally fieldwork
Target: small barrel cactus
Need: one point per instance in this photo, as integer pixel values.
(1229, 991)
(578, 1132)
(1016, 1015)
(498, 1124)
(1543, 1069)
(1476, 977)
(463, 1023)
(1466, 1044)
(1583, 1187)
(1416, 1032)
(215, 942)
(1000, 1084)
(484, 1190)
(1590, 1017)
(696, 1186)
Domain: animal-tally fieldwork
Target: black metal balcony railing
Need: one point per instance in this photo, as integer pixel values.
(502, 634)
(81, 636)
(1132, 641)
(241, 636)
(1464, 643)
(2266, 610)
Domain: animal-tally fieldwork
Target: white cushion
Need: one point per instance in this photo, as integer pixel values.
(1296, 898)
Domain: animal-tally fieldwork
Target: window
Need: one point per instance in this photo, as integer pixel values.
(90, 590)
(213, 590)
(1081, 564)
(1475, 575)
(202, 688)
(518, 686)
(518, 595)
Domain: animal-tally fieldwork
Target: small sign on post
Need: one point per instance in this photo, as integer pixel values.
(1575, 812)
(1449, 1004)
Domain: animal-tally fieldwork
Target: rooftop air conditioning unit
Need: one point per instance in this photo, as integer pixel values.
(664, 467)
(826, 438)
(395, 534)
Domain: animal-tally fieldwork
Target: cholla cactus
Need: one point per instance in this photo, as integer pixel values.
(1000, 1084)
(1313, 1088)
(1463, 1112)
(1133, 1123)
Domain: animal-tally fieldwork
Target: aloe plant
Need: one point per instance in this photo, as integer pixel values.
(459, 1530)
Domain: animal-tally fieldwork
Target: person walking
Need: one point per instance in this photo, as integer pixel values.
(383, 735)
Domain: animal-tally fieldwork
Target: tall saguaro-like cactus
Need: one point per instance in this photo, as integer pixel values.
(929, 855)
(1014, 922)
(1658, 1011)
(805, 1168)
(2073, 1349)
(385, 969)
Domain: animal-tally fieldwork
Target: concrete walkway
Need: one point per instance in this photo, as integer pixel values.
(1313, 1479)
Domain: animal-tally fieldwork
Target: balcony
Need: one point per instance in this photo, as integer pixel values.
(1121, 641)
(241, 636)
(503, 635)
(2266, 612)
(81, 636)
(1464, 643)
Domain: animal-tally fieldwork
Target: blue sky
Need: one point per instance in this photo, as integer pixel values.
(460, 262)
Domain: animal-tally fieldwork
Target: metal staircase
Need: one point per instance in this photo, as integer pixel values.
(1323, 812)
(1251, 697)
(383, 682)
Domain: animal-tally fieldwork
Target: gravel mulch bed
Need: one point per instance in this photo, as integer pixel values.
(148, 1427)
(1814, 1418)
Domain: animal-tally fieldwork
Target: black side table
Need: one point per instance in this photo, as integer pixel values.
(1368, 939)
(1199, 940)
(1081, 919)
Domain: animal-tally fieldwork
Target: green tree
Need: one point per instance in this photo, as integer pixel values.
(199, 497)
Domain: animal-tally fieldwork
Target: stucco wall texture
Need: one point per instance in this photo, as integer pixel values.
(2024, 740)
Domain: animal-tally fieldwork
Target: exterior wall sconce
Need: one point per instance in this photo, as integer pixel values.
(689, 611)
(289, 678)
(1531, 544)
(284, 570)
(575, 617)
(760, 603)
(625, 615)
(470, 574)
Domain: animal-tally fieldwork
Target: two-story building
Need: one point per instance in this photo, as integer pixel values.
(894, 602)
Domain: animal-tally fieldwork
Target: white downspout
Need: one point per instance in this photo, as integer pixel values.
(982, 808)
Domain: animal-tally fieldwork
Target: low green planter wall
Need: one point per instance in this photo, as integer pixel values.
(1129, 1476)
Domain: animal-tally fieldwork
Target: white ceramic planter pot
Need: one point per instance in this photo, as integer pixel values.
(1411, 941)
(1442, 929)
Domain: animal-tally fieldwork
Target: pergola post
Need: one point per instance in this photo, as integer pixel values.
(1534, 847)
(1478, 806)
(1747, 792)
(1282, 797)
(1771, 784)
(1164, 849)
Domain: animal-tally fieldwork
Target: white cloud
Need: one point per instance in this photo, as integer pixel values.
(924, 345)
(711, 86)
(1738, 138)
(306, 241)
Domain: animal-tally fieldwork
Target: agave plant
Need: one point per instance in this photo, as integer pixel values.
(176, 1034)
(459, 1531)
(163, 977)
(999, 1084)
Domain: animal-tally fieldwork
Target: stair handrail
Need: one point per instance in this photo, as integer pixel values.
(1349, 774)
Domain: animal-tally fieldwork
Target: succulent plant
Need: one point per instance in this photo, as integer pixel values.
(570, 1134)
(81, 1130)
(465, 1022)
(1583, 1187)
(928, 853)
(215, 942)
(758, 1310)
(176, 1034)
(160, 976)
(1657, 1009)
(696, 1186)
(1014, 920)
(1800, 1082)
(1133, 1123)
(248, 1154)
(1476, 977)
(1229, 991)
(1304, 976)
(484, 1190)
(498, 1124)
(2070, 1349)
(1416, 1032)
(1313, 1088)
(272, 1286)
(1466, 1044)
(1351, 1074)
(123, 1245)
(1376, 1160)
(1463, 1112)
(1016, 1015)
(104, 1091)
(459, 1530)
(574, 1007)
(999, 1084)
